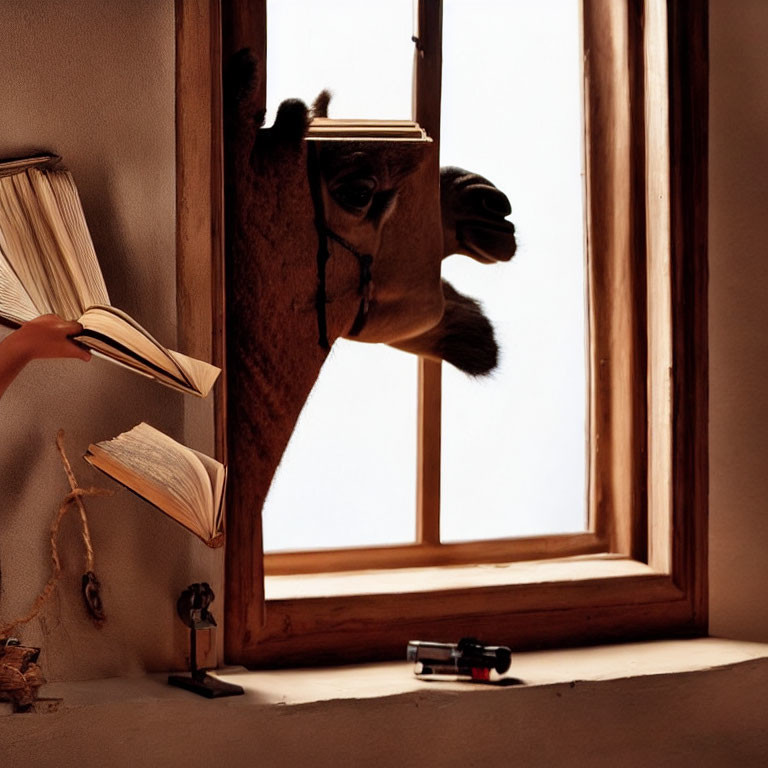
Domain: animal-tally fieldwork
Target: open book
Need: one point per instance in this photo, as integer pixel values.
(48, 265)
(185, 484)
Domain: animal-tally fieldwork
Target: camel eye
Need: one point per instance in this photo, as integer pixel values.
(354, 194)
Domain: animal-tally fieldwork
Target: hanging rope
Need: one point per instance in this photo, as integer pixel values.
(78, 500)
(90, 583)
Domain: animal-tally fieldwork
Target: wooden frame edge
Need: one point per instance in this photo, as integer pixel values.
(615, 272)
(346, 629)
(689, 119)
(244, 25)
(672, 602)
(200, 195)
(429, 555)
(426, 97)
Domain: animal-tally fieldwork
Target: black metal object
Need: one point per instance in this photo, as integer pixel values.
(92, 597)
(192, 607)
(466, 659)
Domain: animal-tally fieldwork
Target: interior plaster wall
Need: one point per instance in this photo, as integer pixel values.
(738, 318)
(94, 82)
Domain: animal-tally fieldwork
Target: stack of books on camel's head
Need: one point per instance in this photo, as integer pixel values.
(186, 485)
(48, 265)
(336, 129)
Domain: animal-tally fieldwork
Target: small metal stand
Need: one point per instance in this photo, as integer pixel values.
(192, 607)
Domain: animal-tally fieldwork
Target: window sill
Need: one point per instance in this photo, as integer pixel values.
(453, 577)
(531, 668)
(303, 686)
(369, 616)
(697, 697)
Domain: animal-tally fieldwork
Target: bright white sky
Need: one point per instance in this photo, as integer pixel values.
(513, 444)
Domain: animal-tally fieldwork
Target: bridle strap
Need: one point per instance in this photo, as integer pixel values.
(313, 173)
(365, 286)
(364, 260)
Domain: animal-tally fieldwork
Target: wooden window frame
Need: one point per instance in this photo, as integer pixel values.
(640, 571)
(200, 211)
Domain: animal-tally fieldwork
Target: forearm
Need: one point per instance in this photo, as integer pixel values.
(46, 336)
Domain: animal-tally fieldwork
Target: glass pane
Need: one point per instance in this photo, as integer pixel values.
(361, 50)
(348, 477)
(514, 448)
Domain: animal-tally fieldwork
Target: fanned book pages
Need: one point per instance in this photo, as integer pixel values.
(185, 484)
(48, 265)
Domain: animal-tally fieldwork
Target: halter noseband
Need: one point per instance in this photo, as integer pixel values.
(324, 233)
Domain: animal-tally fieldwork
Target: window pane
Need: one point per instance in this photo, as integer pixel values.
(348, 477)
(361, 50)
(514, 448)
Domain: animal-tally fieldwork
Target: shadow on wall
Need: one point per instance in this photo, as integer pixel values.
(738, 317)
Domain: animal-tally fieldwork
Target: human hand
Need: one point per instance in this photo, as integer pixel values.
(48, 336)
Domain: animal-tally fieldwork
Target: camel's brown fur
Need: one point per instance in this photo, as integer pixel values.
(273, 351)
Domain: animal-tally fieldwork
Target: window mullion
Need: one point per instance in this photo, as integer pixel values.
(427, 81)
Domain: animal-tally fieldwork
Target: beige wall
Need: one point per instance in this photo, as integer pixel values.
(94, 82)
(738, 318)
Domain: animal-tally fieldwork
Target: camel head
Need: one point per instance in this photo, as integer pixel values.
(294, 206)
(351, 202)
(301, 203)
(473, 223)
(412, 308)
(331, 239)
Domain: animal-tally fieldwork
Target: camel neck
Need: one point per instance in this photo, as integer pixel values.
(267, 389)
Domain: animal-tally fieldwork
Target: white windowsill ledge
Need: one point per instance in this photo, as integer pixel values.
(713, 687)
(364, 681)
(398, 581)
(533, 668)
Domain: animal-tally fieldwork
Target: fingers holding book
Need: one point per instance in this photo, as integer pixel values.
(49, 336)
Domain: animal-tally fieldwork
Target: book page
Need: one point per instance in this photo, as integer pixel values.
(217, 473)
(17, 165)
(163, 471)
(113, 352)
(58, 194)
(114, 324)
(45, 240)
(52, 252)
(203, 375)
(15, 303)
(194, 375)
(19, 244)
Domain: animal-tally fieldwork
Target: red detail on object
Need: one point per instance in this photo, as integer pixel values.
(481, 674)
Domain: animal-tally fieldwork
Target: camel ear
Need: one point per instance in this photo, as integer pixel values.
(320, 104)
(291, 122)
